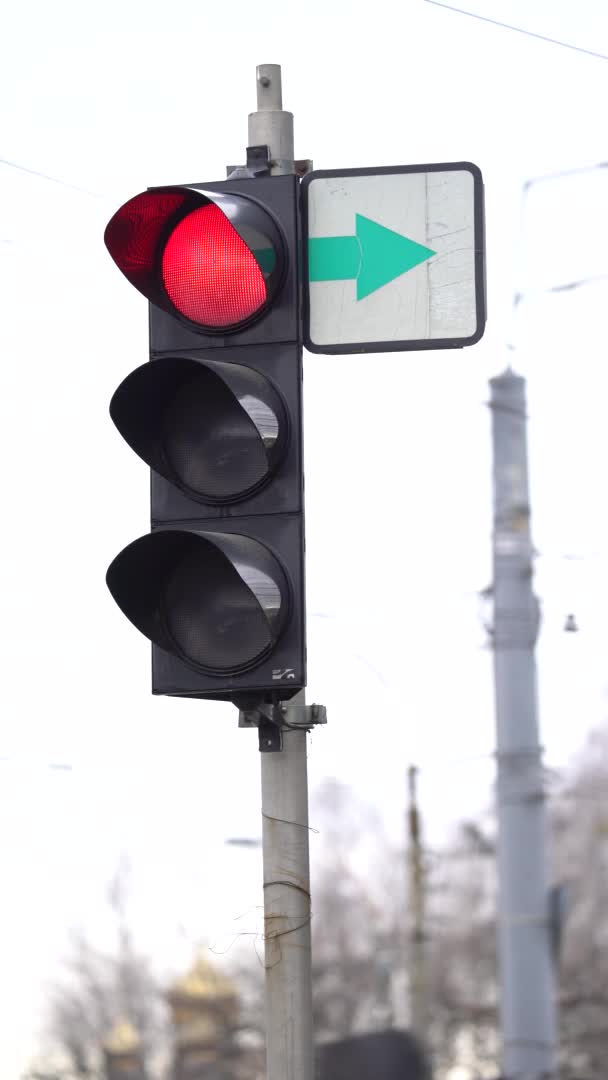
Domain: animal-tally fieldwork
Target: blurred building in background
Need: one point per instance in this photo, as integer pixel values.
(206, 1034)
(204, 1007)
(207, 1041)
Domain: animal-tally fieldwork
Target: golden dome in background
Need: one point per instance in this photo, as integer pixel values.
(123, 1039)
(204, 1004)
(203, 983)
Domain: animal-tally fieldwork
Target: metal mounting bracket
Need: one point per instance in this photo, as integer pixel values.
(272, 720)
(258, 164)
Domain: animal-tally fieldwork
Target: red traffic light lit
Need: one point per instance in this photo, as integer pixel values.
(209, 273)
(215, 260)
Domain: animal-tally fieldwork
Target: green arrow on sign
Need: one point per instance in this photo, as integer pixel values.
(374, 256)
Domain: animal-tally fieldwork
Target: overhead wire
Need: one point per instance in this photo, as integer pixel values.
(519, 294)
(52, 179)
(519, 30)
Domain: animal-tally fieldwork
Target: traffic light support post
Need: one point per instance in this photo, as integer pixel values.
(270, 125)
(287, 910)
(284, 776)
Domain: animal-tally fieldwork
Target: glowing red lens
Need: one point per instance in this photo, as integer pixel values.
(209, 273)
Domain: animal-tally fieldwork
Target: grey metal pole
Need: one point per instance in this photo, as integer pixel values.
(271, 126)
(527, 997)
(418, 973)
(289, 1030)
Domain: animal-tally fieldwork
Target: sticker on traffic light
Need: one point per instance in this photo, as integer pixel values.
(218, 584)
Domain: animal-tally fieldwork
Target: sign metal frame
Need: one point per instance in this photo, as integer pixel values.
(478, 250)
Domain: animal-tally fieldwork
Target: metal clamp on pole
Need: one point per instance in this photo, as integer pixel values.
(258, 164)
(272, 720)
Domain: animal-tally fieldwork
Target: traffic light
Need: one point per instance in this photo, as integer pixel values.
(218, 583)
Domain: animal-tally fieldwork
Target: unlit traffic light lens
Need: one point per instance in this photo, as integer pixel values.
(218, 601)
(212, 614)
(217, 431)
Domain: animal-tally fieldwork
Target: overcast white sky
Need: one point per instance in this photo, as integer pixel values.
(112, 98)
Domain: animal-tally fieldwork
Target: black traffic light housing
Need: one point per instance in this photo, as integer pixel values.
(216, 413)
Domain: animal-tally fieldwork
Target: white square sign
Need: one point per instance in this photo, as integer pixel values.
(393, 258)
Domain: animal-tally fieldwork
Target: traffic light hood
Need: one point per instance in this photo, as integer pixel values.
(214, 260)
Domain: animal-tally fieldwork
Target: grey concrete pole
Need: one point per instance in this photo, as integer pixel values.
(289, 1032)
(527, 990)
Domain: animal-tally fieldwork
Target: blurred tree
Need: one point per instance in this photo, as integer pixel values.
(104, 992)
(99, 989)
(356, 916)
(361, 924)
(461, 903)
(361, 930)
(462, 928)
(580, 832)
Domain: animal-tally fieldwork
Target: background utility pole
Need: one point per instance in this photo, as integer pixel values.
(417, 966)
(289, 1035)
(527, 991)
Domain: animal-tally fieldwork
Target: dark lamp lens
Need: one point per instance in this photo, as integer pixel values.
(212, 615)
(209, 273)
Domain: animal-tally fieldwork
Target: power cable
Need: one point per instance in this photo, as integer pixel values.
(519, 30)
(568, 286)
(62, 766)
(565, 286)
(52, 179)
(561, 174)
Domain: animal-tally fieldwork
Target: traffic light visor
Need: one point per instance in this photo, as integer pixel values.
(218, 601)
(213, 259)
